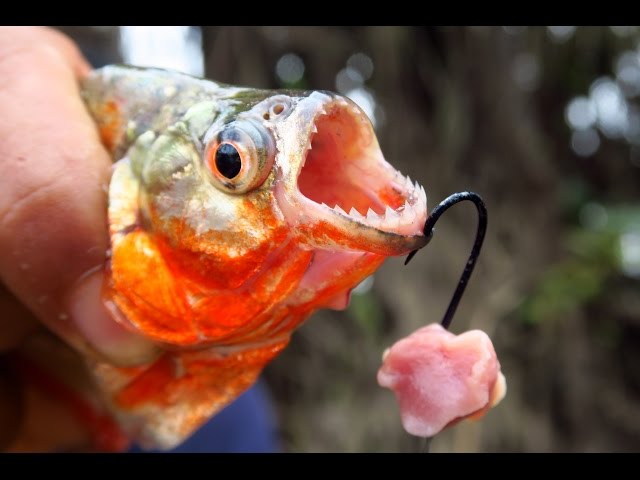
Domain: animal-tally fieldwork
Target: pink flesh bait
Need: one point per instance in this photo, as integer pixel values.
(440, 378)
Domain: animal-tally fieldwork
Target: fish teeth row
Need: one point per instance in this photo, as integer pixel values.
(392, 218)
(415, 189)
(352, 213)
(405, 215)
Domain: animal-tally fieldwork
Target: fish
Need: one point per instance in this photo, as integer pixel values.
(234, 214)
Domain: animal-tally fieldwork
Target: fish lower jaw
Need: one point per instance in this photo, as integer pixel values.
(408, 219)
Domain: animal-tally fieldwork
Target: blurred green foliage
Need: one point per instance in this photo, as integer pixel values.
(592, 256)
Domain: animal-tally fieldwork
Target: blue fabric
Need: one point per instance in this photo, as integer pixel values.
(245, 426)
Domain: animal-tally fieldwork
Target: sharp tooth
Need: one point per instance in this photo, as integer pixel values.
(408, 184)
(409, 213)
(372, 216)
(325, 205)
(314, 129)
(339, 209)
(355, 213)
(391, 219)
(423, 195)
(390, 213)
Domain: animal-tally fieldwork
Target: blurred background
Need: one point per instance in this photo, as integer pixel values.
(544, 123)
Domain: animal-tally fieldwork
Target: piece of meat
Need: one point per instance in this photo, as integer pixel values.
(440, 378)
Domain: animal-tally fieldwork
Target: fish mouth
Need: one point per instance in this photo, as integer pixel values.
(341, 190)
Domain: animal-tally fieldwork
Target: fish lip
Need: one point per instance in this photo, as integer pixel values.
(390, 226)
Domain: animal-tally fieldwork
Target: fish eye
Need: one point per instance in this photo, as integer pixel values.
(239, 157)
(228, 161)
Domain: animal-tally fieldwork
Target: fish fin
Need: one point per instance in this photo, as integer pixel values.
(137, 270)
(188, 387)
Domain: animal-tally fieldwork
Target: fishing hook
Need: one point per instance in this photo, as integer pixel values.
(475, 250)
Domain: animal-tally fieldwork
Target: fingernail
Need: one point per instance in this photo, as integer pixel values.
(98, 327)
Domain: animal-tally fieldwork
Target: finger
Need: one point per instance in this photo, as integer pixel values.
(54, 174)
(18, 40)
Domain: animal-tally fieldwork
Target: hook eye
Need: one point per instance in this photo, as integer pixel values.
(475, 250)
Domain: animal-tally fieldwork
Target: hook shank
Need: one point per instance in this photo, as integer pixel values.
(475, 251)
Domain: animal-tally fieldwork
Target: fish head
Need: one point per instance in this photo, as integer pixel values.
(336, 190)
(266, 206)
(334, 183)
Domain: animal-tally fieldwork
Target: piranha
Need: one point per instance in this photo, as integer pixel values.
(234, 214)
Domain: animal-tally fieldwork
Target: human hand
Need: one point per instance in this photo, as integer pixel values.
(54, 174)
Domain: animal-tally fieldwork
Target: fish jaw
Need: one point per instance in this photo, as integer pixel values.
(335, 187)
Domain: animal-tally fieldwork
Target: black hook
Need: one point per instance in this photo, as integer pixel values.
(475, 251)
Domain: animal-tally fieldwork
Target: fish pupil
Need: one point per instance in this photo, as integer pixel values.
(228, 161)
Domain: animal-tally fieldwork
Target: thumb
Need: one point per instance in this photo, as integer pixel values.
(53, 180)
